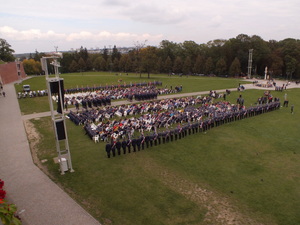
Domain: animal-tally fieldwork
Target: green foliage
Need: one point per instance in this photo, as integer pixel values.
(6, 53)
(235, 68)
(32, 66)
(7, 214)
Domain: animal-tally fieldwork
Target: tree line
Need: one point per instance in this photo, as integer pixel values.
(218, 57)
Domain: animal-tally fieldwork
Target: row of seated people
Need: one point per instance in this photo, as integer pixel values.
(113, 86)
(122, 144)
(214, 116)
(32, 94)
(98, 98)
(100, 114)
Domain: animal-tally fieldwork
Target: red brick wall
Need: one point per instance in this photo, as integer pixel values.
(8, 72)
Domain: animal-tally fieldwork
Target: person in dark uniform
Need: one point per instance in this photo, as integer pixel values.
(143, 141)
(185, 128)
(159, 135)
(118, 146)
(164, 136)
(153, 138)
(129, 141)
(83, 104)
(147, 140)
(89, 102)
(167, 136)
(124, 145)
(77, 105)
(139, 143)
(176, 130)
(171, 135)
(108, 149)
(113, 149)
(133, 143)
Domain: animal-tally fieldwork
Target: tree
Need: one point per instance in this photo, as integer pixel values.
(177, 67)
(138, 47)
(66, 61)
(149, 59)
(109, 64)
(73, 66)
(277, 64)
(125, 63)
(291, 66)
(190, 49)
(116, 65)
(168, 49)
(187, 66)
(221, 66)
(97, 63)
(81, 64)
(168, 65)
(32, 67)
(291, 56)
(6, 53)
(83, 53)
(235, 68)
(209, 66)
(199, 65)
(115, 54)
(89, 64)
(105, 54)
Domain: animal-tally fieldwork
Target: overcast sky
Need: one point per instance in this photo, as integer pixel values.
(29, 25)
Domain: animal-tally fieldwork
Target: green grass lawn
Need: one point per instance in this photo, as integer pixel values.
(189, 84)
(253, 163)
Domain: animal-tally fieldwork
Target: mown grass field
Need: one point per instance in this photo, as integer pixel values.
(250, 166)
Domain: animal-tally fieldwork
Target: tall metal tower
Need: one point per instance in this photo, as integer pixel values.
(250, 63)
(55, 87)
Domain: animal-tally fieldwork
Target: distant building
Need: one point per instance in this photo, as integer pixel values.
(12, 72)
(122, 50)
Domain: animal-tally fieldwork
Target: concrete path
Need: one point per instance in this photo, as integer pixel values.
(26, 185)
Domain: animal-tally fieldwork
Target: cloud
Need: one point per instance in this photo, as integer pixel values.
(36, 34)
(155, 13)
(29, 35)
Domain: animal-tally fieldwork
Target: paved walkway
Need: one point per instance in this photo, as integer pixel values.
(27, 186)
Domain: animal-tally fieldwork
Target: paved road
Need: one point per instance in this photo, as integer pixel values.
(27, 186)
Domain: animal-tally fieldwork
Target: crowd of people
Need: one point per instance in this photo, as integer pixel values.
(123, 140)
(161, 121)
(32, 94)
(104, 97)
(86, 90)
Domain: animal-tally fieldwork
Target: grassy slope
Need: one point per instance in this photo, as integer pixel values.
(254, 162)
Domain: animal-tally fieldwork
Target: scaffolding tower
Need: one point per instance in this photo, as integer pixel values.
(250, 63)
(55, 87)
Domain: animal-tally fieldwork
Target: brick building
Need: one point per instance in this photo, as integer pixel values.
(11, 72)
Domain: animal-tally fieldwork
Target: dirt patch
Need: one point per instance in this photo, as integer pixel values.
(33, 138)
(220, 209)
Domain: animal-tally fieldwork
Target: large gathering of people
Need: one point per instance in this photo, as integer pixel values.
(134, 127)
(104, 97)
